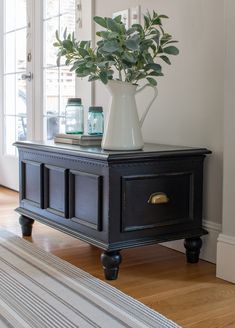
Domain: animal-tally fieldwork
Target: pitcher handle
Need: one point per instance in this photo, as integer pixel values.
(151, 102)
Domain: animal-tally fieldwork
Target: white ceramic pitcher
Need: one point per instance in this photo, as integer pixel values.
(123, 126)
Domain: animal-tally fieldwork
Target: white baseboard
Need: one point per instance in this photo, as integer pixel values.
(208, 251)
(225, 268)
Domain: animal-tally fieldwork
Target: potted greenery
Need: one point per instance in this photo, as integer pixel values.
(121, 59)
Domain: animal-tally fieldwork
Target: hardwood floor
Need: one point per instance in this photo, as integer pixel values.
(188, 294)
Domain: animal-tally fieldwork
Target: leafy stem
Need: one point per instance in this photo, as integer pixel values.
(129, 55)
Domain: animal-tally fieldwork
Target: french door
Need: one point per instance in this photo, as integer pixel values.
(15, 91)
(33, 90)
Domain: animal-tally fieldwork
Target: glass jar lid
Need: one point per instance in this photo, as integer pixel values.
(74, 101)
(95, 109)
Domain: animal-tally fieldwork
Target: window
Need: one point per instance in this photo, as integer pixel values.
(59, 82)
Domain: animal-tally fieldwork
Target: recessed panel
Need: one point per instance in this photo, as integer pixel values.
(56, 190)
(86, 199)
(32, 183)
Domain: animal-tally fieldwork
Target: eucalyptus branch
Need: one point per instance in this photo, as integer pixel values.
(133, 52)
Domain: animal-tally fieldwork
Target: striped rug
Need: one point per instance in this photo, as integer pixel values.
(39, 290)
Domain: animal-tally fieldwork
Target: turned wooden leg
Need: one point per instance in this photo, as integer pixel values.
(193, 246)
(110, 262)
(26, 225)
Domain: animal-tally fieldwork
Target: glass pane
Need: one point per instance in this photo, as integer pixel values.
(21, 20)
(10, 62)
(10, 15)
(21, 105)
(51, 8)
(67, 6)
(50, 51)
(51, 126)
(51, 91)
(62, 125)
(68, 21)
(67, 87)
(10, 137)
(21, 50)
(9, 95)
(21, 128)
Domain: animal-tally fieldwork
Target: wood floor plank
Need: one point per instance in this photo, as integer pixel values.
(191, 295)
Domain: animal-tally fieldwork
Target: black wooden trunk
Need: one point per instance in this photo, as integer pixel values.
(103, 197)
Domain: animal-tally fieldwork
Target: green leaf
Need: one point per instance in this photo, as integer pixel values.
(154, 73)
(83, 52)
(100, 21)
(157, 21)
(138, 27)
(163, 16)
(65, 33)
(93, 78)
(118, 19)
(152, 81)
(131, 30)
(57, 35)
(56, 44)
(82, 44)
(171, 50)
(112, 25)
(110, 46)
(129, 57)
(148, 58)
(132, 43)
(103, 77)
(153, 66)
(103, 34)
(166, 59)
(68, 45)
(146, 21)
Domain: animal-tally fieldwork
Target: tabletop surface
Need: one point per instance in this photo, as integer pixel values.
(149, 150)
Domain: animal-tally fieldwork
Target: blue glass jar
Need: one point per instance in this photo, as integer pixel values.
(74, 116)
(95, 121)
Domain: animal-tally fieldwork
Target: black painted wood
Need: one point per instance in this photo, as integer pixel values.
(102, 197)
(86, 199)
(26, 225)
(111, 262)
(193, 247)
(56, 190)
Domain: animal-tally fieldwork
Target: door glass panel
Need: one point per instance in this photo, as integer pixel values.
(21, 19)
(50, 51)
(21, 128)
(67, 86)
(10, 14)
(10, 61)
(51, 91)
(51, 8)
(15, 14)
(9, 82)
(59, 83)
(21, 104)
(21, 50)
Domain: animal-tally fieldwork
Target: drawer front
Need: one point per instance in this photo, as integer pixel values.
(172, 204)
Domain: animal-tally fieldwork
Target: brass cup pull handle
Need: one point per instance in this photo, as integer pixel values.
(158, 198)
